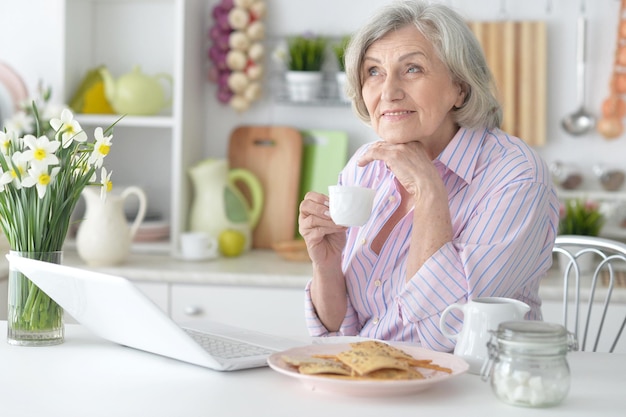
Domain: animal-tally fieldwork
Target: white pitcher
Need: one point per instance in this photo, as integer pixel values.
(104, 236)
(480, 316)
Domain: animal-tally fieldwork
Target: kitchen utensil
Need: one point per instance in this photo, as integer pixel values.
(273, 154)
(480, 316)
(219, 205)
(324, 155)
(581, 121)
(137, 93)
(104, 236)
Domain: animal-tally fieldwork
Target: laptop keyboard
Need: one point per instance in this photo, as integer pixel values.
(226, 348)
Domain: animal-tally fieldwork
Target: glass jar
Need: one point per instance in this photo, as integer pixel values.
(527, 364)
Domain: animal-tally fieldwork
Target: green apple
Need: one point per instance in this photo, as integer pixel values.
(231, 242)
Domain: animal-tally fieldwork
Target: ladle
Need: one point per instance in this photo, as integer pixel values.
(581, 121)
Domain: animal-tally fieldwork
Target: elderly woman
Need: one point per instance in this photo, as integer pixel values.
(462, 209)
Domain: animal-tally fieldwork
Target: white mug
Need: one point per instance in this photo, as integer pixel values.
(480, 316)
(197, 246)
(350, 205)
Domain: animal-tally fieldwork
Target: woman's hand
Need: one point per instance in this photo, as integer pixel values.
(427, 196)
(409, 162)
(324, 239)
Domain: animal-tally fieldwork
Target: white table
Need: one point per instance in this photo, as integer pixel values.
(87, 376)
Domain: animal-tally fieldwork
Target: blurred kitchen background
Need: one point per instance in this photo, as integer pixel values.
(58, 41)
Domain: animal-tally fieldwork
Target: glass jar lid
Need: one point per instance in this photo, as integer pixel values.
(534, 333)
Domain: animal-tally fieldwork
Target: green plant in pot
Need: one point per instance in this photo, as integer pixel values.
(339, 49)
(305, 58)
(579, 217)
(306, 52)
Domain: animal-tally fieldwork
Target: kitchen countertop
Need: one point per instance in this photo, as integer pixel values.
(262, 268)
(88, 376)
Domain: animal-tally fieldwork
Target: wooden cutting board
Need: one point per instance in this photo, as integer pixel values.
(324, 154)
(273, 154)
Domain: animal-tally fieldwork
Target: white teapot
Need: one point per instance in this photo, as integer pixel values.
(104, 236)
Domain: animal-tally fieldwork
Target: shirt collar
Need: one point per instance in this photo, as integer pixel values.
(462, 153)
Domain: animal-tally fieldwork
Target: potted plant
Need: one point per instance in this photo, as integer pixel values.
(339, 49)
(580, 217)
(47, 160)
(304, 58)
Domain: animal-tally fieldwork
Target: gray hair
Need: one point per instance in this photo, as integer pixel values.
(456, 46)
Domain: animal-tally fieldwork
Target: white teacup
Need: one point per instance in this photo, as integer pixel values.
(197, 246)
(350, 205)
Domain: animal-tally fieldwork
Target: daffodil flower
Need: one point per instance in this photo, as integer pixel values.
(20, 122)
(40, 151)
(16, 173)
(100, 149)
(6, 138)
(40, 178)
(69, 128)
(107, 185)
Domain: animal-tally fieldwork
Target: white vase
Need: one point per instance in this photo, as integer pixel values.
(304, 86)
(104, 236)
(342, 81)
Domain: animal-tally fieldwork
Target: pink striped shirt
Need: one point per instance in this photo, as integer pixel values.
(504, 212)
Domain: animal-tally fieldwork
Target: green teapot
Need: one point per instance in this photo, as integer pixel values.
(136, 93)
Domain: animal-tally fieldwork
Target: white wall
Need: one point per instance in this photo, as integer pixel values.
(336, 17)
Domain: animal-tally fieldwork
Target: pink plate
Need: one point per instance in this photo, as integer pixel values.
(369, 388)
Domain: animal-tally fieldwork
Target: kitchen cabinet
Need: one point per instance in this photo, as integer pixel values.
(158, 292)
(161, 36)
(270, 310)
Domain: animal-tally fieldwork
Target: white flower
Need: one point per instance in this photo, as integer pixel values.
(107, 185)
(41, 151)
(19, 166)
(100, 149)
(69, 128)
(20, 123)
(40, 178)
(5, 141)
(52, 111)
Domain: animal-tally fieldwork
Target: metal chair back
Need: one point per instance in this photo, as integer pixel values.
(609, 259)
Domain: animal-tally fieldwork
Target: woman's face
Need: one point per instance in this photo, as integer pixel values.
(408, 91)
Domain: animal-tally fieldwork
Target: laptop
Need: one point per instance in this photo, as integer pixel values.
(115, 309)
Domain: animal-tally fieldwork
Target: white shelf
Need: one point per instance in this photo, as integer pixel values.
(593, 194)
(105, 120)
(152, 152)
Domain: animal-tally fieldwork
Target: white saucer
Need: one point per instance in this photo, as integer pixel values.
(180, 257)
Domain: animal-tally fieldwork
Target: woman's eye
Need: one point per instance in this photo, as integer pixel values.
(414, 69)
(372, 71)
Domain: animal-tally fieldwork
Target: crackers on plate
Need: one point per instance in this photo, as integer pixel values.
(368, 360)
